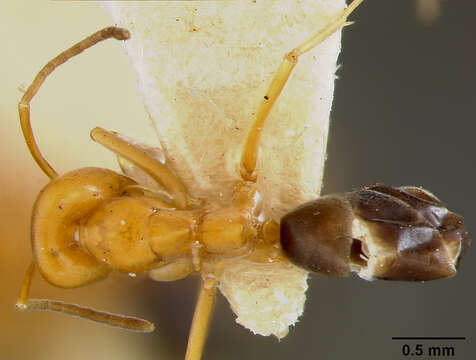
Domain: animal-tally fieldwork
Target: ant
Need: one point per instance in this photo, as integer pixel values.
(91, 221)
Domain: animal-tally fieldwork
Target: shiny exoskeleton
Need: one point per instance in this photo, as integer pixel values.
(91, 221)
(392, 233)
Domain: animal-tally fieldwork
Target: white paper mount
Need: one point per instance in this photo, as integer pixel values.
(202, 68)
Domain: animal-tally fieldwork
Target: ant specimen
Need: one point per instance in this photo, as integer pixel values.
(91, 221)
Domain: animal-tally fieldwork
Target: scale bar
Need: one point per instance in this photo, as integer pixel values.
(429, 338)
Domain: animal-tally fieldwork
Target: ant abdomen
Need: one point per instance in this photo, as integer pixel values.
(382, 232)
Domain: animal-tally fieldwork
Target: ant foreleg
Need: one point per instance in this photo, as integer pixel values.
(151, 166)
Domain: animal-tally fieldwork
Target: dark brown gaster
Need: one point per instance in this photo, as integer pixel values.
(382, 232)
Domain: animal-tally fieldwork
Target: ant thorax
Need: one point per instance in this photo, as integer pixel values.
(265, 290)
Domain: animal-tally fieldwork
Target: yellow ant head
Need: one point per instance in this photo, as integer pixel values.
(57, 213)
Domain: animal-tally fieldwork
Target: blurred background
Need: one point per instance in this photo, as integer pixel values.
(403, 115)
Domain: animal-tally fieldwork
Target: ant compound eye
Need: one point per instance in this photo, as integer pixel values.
(401, 233)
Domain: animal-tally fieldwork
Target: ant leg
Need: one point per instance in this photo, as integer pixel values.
(21, 303)
(250, 152)
(116, 320)
(157, 197)
(151, 166)
(201, 319)
(24, 104)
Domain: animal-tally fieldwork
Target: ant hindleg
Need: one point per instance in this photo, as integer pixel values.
(250, 152)
(201, 319)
